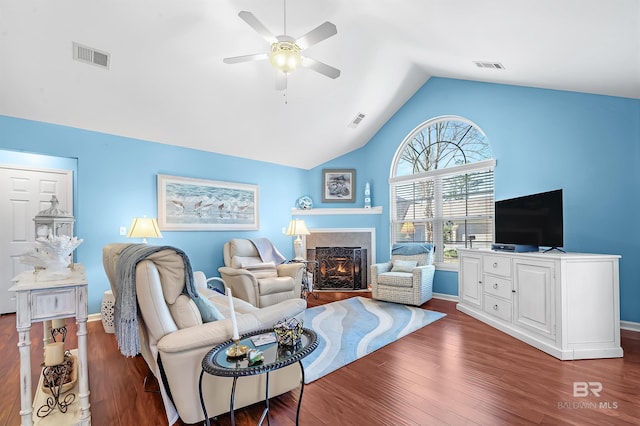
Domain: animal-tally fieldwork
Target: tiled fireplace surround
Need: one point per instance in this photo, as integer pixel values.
(343, 237)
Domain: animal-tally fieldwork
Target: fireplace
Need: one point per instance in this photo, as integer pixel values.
(341, 268)
(343, 256)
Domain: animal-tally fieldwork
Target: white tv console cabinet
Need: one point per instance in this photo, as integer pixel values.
(565, 304)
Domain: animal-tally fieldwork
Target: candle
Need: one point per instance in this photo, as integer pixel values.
(58, 323)
(54, 354)
(233, 316)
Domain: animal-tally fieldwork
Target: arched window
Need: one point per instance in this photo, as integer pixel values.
(441, 185)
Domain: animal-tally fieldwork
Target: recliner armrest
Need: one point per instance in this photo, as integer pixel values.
(205, 335)
(243, 284)
(212, 333)
(289, 269)
(380, 268)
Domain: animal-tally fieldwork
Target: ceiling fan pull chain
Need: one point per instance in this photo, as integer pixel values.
(286, 98)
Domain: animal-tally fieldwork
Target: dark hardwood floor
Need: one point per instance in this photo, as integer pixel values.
(456, 371)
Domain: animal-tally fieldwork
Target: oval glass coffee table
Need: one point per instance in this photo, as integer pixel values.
(217, 363)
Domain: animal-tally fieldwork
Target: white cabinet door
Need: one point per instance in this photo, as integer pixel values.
(534, 306)
(471, 280)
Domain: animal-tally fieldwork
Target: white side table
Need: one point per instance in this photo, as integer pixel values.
(42, 301)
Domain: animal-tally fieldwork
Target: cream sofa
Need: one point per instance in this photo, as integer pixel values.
(171, 330)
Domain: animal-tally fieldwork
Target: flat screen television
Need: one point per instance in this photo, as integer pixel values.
(533, 220)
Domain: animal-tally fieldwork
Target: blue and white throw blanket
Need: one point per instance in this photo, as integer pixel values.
(125, 319)
(267, 251)
(409, 249)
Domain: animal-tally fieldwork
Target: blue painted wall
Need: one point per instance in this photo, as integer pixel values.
(114, 185)
(588, 145)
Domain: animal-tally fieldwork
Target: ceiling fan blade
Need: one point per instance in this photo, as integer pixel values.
(245, 58)
(320, 67)
(316, 35)
(258, 26)
(281, 81)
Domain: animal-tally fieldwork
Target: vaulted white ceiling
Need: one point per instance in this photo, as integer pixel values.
(167, 83)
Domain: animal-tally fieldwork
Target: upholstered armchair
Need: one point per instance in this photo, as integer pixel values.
(257, 279)
(408, 277)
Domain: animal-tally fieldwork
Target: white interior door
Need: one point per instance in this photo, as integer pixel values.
(23, 193)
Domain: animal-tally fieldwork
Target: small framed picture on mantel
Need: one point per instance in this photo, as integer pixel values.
(338, 185)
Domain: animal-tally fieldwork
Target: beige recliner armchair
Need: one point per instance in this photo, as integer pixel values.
(256, 280)
(171, 331)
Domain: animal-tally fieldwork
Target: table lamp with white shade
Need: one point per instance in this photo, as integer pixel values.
(298, 228)
(408, 229)
(144, 227)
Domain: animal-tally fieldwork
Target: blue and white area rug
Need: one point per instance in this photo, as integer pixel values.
(352, 328)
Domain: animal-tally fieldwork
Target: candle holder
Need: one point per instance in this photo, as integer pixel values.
(62, 331)
(237, 350)
(58, 379)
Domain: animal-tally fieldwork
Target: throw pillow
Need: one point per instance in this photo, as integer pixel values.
(208, 311)
(403, 265)
(262, 270)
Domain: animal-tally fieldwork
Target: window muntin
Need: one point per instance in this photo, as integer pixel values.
(439, 144)
(442, 188)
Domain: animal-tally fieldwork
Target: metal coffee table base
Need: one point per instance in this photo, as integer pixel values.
(265, 412)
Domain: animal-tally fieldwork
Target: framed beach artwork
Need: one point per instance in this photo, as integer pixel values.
(338, 185)
(186, 204)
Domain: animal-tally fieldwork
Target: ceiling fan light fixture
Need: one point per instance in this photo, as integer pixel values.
(285, 56)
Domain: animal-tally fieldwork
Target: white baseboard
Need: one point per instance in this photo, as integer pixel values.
(444, 296)
(94, 317)
(631, 326)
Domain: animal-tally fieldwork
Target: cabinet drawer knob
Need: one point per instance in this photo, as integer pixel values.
(495, 307)
(495, 264)
(495, 286)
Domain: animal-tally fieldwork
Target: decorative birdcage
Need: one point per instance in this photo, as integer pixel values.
(52, 254)
(54, 221)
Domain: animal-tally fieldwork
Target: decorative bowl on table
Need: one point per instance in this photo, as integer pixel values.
(288, 332)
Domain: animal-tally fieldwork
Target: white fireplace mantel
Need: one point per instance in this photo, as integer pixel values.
(336, 211)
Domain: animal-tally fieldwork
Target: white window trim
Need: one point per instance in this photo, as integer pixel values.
(478, 166)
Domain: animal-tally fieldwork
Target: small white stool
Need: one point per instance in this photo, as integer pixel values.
(106, 311)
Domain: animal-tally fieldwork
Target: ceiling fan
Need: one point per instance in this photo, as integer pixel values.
(285, 53)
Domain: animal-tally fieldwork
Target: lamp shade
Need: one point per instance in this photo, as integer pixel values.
(297, 227)
(144, 227)
(408, 228)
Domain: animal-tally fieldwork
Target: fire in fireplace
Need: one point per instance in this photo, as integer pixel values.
(343, 268)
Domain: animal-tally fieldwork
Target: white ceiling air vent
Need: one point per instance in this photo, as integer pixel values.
(91, 56)
(354, 123)
(490, 65)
